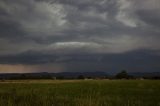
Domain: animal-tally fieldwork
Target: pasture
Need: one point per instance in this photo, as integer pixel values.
(80, 93)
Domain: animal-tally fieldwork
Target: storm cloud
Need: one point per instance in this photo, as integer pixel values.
(84, 35)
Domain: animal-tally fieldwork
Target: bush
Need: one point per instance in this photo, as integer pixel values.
(122, 75)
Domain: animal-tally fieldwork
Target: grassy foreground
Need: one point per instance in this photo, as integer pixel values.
(80, 93)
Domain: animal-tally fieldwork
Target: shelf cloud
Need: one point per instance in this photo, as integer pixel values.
(84, 35)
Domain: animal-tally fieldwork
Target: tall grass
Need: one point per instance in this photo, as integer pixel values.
(81, 93)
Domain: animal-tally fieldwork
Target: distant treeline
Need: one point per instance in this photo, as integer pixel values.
(77, 75)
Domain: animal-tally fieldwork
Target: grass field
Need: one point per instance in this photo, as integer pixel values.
(80, 93)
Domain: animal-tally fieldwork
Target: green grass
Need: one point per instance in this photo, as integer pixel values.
(80, 93)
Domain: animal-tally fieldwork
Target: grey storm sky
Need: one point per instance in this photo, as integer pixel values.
(79, 35)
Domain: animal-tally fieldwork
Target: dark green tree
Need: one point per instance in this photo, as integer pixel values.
(122, 75)
(81, 77)
(61, 77)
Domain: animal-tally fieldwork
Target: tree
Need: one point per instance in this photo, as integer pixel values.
(122, 74)
(60, 77)
(81, 77)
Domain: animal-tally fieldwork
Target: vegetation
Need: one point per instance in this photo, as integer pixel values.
(123, 75)
(80, 93)
(79, 75)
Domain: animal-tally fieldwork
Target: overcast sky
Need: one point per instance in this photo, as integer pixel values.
(79, 35)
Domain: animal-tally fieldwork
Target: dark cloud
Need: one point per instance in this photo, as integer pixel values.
(133, 61)
(85, 33)
(151, 17)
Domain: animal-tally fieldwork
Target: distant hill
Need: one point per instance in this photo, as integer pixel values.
(73, 75)
(45, 75)
(85, 74)
(145, 74)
